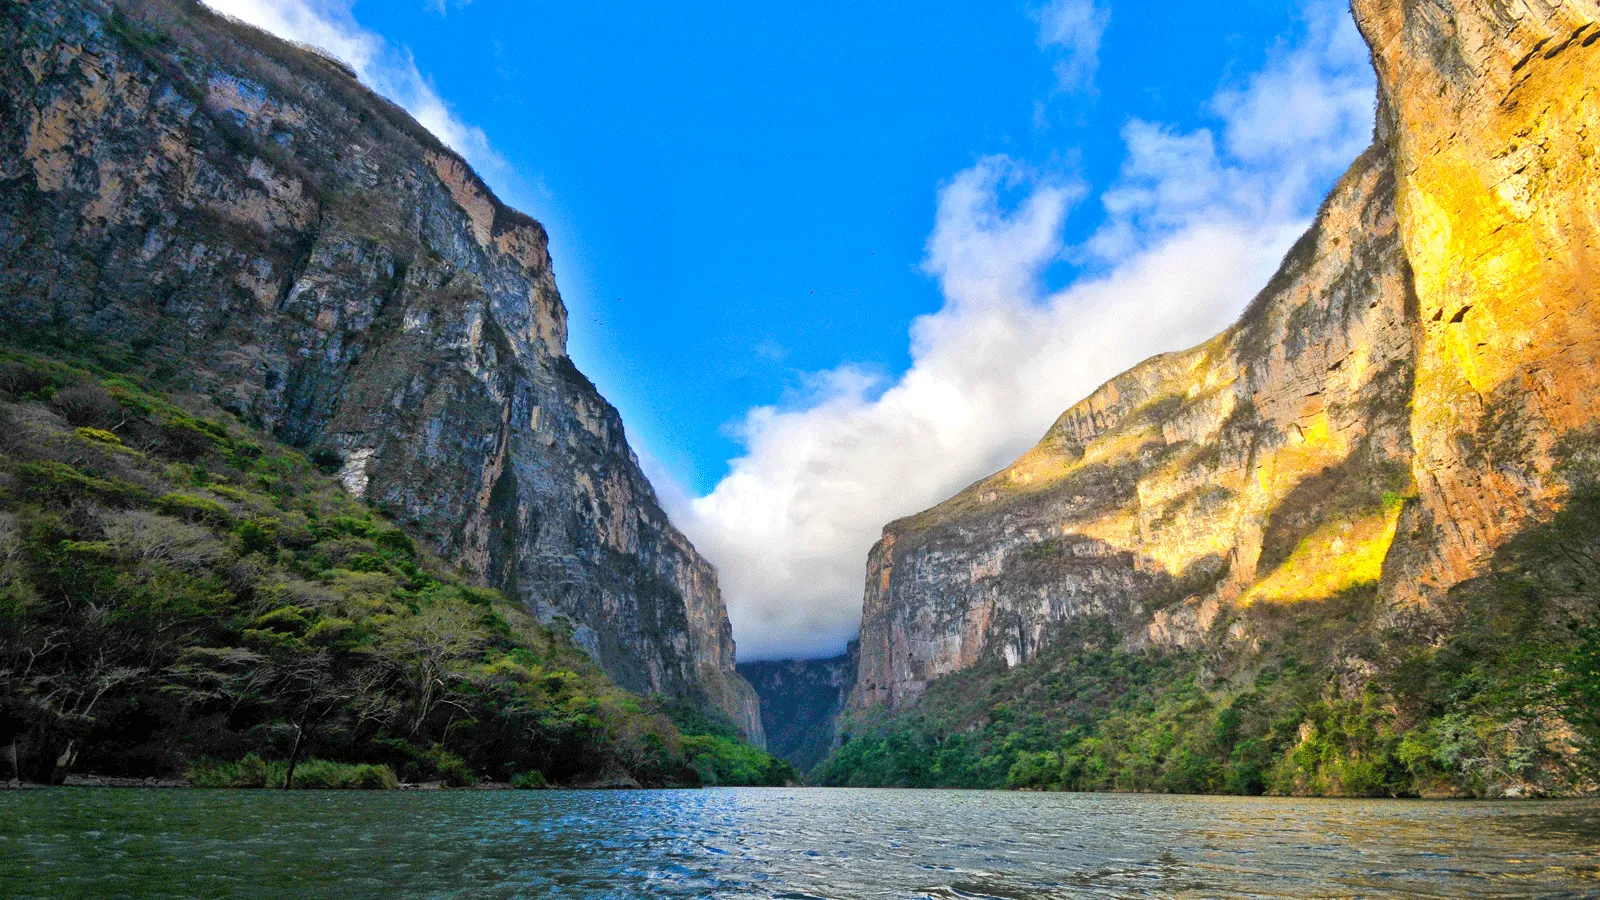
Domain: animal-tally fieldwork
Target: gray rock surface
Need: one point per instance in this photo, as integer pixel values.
(250, 225)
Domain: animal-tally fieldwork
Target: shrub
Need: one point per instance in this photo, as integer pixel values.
(448, 767)
(26, 379)
(96, 436)
(185, 440)
(257, 536)
(529, 781)
(147, 536)
(314, 774)
(327, 460)
(396, 542)
(56, 482)
(88, 405)
(250, 772)
(290, 619)
(194, 508)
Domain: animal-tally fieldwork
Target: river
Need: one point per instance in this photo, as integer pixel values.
(783, 843)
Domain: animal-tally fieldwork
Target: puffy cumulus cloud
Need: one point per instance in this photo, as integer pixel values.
(1285, 129)
(1195, 224)
(331, 26)
(1073, 29)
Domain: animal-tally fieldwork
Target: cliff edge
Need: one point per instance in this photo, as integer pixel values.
(254, 227)
(1387, 414)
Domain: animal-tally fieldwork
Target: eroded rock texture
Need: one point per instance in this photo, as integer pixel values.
(1494, 112)
(245, 218)
(1388, 411)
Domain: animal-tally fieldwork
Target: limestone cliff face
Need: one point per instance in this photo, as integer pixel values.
(1386, 412)
(248, 222)
(1194, 480)
(1494, 112)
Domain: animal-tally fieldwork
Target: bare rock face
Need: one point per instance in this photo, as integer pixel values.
(1194, 480)
(246, 220)
(1494, 108)
(1387, 412)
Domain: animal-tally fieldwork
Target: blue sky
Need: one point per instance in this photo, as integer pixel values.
(742, 191)
(834, 261)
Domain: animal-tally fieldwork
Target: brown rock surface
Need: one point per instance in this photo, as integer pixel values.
(1387, 412)
(243, 218)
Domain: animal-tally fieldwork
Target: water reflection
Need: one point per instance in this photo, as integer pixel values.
(826, 845)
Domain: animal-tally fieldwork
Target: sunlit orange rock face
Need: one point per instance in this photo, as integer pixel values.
(1494, 110)
(1391, 408)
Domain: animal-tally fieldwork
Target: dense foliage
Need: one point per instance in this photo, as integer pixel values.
(719, 756)
(1499, 697)
(179, 594)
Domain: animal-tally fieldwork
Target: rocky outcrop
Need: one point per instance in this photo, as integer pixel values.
(240, 219)
(801, 700)
(1389, 410)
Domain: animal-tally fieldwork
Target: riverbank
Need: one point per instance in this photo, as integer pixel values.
(108, 781)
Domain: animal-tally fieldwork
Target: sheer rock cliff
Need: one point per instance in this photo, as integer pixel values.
(244, 218)
(1389, 410)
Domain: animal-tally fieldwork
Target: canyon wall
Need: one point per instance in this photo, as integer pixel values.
(801, 700)
(1393, 406)
(240, 219)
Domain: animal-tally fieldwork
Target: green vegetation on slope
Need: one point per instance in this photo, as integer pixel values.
(178, 593)
(800, 704)
(1339, 700)
(719, 756)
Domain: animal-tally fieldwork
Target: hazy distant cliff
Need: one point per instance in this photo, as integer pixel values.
(1388, 411)
(801, 700)
(261, 230)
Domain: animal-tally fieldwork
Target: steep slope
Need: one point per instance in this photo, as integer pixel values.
(1412, 391)
(1391, 406)
(1494, 112)
(801, 700)
(251, 225)
(1267, 464)
(178, 590)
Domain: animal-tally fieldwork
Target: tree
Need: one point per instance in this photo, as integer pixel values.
(431, 645)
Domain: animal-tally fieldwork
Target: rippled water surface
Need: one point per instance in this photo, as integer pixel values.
(783, 844)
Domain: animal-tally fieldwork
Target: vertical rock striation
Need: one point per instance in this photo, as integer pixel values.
(244, 219)
(1391, 408)
(1494, 113)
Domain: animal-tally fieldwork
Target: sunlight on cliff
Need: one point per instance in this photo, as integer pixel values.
(1313, 447)
(1335, 558)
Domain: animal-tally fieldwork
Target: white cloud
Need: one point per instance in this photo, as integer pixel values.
(1195, 225)
(1073, 29)
(331, 26)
